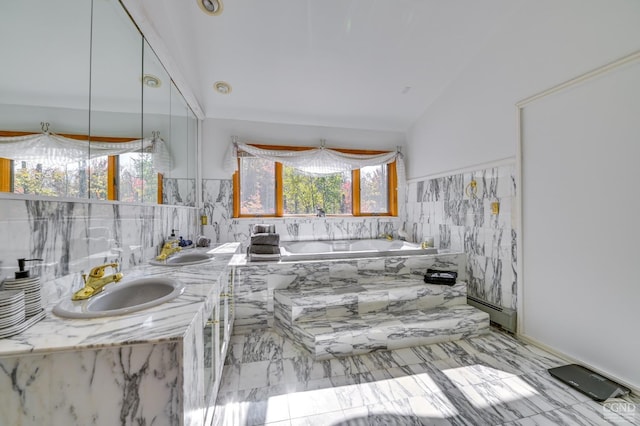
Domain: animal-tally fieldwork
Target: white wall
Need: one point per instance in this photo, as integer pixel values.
(580, 227)
(547, 42)
(217, 133)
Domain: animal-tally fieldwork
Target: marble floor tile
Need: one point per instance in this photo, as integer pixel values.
(382, 359)
(492, 379)
(333, 418)
(230, 378)
(470, 370)
(313, 402)
(579, 415)
(234, 354)
(262, 346)
(419, 354)
(432, 375)
(349, 395)
(437, 409)
(261, 374)
(415, 384)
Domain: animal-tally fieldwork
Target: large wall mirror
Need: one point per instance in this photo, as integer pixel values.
(87, 111)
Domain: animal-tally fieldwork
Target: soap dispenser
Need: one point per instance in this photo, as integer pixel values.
(24, 273)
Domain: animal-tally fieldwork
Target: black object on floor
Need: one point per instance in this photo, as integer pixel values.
(433, 276)
(588, 382)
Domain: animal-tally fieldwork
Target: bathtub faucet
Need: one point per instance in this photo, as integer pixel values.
(387, 236)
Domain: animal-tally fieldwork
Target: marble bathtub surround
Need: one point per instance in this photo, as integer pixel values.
(343, 299)
(148, 364)
(344, 319)
(465, 222)
(256, 283)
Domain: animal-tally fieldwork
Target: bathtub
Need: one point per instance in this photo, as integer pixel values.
(348, 249)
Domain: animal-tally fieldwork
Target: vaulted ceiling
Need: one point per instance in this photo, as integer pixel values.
(367, 64)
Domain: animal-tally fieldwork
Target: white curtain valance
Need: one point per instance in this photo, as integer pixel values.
(49, 148)
(316, 161)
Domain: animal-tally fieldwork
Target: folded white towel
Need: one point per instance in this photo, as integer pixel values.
(256, 257)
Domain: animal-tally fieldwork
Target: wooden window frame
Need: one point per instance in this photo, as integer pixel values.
(6, 165)
(392, 184)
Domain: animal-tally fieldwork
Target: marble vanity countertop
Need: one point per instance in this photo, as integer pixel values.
(166, 322)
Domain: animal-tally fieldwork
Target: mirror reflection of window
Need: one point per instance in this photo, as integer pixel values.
(98, 178)
(137, 182)
(48, 179)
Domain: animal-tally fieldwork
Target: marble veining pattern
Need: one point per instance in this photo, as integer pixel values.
(443, 209)
(328, 320)
(256, 283)
(492, 379)
(179, 192)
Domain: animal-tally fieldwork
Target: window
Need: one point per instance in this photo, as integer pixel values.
(303, 194)
(257, 193)
(374, 189)
(267, 188)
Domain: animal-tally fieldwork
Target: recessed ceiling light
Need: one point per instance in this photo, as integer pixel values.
(151, 81)
(222, 87)
(211, 7)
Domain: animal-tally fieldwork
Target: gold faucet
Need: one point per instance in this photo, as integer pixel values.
(95, 282)
(387, 236)
(168, 249)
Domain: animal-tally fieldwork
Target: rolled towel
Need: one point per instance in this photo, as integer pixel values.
(263, 249)
(203, 241)
(265, 239)
(264, 229)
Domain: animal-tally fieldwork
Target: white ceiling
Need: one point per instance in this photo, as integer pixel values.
(367, 64)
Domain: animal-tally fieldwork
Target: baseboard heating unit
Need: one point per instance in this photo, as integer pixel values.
(504, 317)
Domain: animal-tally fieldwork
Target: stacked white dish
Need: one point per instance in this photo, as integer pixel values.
(12, 310)
(32, 293)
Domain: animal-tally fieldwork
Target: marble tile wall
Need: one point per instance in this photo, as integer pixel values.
(222, 227)
(73, 236)
(442, 208)
(179, 192)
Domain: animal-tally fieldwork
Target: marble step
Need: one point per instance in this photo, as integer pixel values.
(344, 300)
(326, 339)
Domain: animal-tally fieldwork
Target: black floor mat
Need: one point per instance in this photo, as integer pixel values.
(588, 382)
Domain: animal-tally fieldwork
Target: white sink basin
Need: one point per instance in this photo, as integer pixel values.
(122, 298)
(180, 259)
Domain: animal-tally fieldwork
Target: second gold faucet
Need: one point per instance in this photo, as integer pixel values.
(168, 249)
